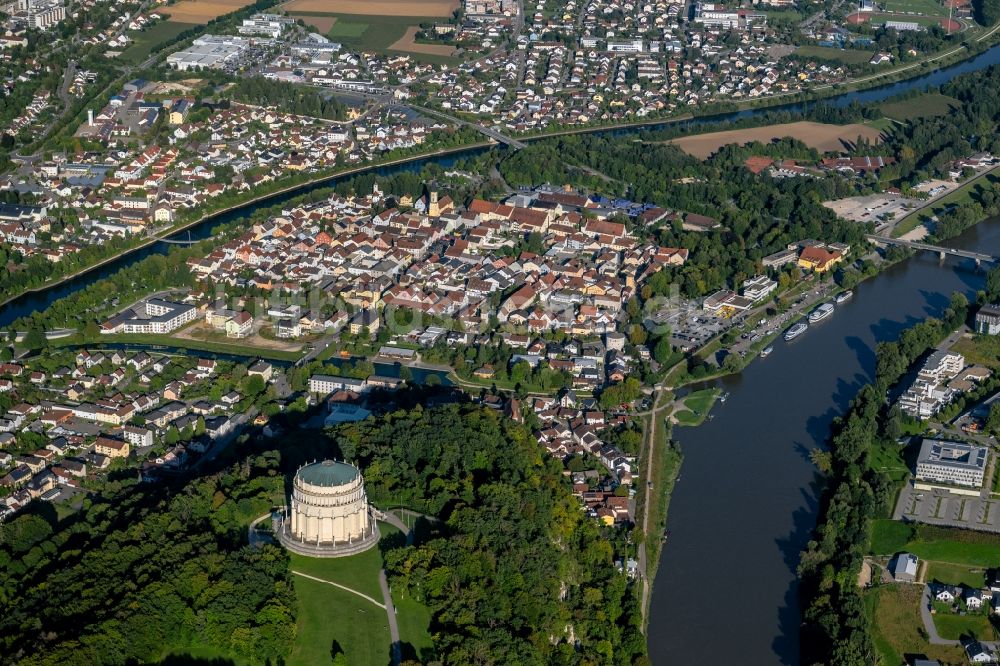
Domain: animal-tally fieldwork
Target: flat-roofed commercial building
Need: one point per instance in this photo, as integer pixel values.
(958, 466)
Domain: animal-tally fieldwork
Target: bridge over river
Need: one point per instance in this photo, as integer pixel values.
(943, 252)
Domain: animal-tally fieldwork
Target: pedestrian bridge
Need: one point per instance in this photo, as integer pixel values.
(943, 252)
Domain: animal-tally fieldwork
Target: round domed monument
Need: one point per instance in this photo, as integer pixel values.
(328, 514)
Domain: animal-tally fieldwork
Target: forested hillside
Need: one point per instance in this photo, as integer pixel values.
(518, 572)
(515, 573)
(140, 572)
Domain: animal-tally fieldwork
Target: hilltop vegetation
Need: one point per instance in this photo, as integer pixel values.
(514, 573)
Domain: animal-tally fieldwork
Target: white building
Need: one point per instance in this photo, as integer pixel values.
(160, 317)
(951, 464)
(267, 25)
(758, 288)
(209, 52)
(327, 384)
(329, 515)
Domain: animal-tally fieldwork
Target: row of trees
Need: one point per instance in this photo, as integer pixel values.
(286, 97)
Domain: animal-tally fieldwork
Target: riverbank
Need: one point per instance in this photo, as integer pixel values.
(319, 180)
(778, 101)
(707, 116)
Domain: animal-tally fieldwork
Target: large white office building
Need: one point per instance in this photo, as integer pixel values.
(959, 466)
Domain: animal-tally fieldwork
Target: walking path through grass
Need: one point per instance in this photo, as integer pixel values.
(343, 587)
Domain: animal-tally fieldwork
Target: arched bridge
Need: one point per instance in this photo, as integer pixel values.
(943, 252)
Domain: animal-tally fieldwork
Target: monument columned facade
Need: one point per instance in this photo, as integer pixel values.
(328, 513)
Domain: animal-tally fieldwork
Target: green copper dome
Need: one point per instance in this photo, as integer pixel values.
(328, 473)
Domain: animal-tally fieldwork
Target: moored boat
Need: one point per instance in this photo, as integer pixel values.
(796, 330)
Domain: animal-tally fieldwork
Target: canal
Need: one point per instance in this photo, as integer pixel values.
(746, 502)
(39, 300)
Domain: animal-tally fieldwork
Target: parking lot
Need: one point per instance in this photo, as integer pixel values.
(941, 507)
(878, 208)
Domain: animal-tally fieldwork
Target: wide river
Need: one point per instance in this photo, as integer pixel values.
(746, 501)
(747, 498)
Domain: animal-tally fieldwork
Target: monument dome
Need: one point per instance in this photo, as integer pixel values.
(328, 513)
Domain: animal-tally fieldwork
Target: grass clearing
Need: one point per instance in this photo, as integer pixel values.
(847, 56)
(890, 536)
(696, 407)
(955, 574)
(152, 38)
(980, 350)
(940, 544)
(414, 621)
(327, 615)
(894, 615)
(954, 627)
(926, 105)
(889, 459)
(358, 572)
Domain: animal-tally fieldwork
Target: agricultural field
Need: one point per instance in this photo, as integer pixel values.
(411, 8)
(846, 56)
(821, 136)
(408, 43)
(202, 11)
(324, 24)
(369, 32)
(926, 105)
(347, 29)
(151, 39)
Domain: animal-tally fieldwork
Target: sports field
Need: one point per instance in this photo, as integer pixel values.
(422, 8)
(821, 136)
(202, 11)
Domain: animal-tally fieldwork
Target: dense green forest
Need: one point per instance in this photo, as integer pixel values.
(143, 570)
(987, 12)
(512, 572)
(518, 568)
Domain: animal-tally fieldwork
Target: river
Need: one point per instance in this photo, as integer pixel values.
(746, 502)
(747, 499)
(39, 300)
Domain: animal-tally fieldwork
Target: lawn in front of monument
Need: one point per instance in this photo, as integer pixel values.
(327, 614)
